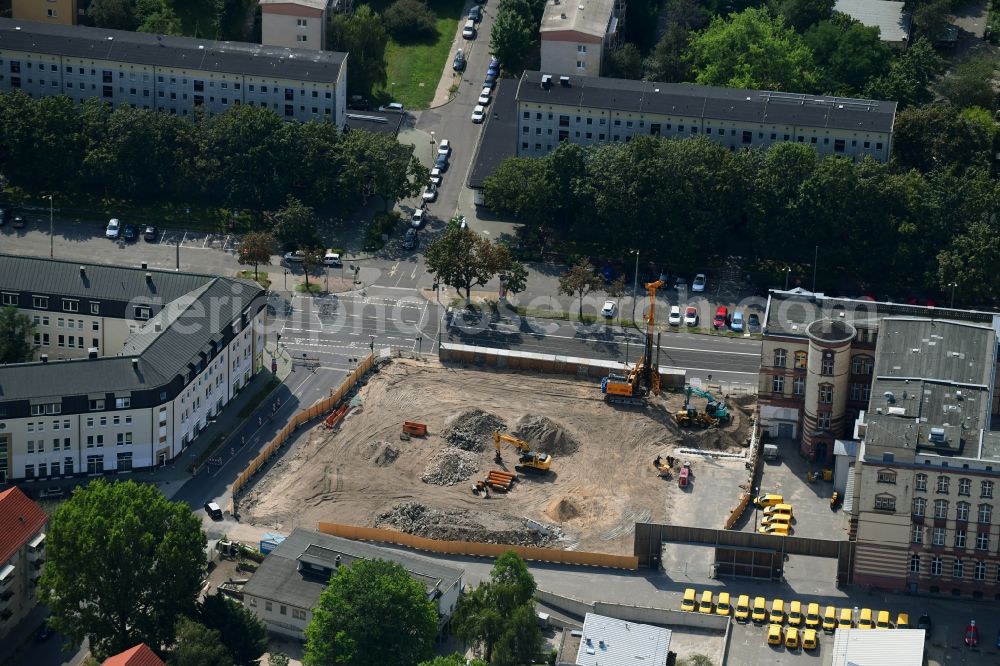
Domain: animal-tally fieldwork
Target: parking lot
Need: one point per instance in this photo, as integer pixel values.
(748, 645)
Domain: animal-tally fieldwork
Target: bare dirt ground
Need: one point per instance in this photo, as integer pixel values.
(602, 478)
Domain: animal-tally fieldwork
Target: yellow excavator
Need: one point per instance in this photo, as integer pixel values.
(528, 460)
(642, 379)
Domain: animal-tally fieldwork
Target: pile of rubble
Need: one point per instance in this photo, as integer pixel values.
(463, 525)
(450, 466)
(546, 435)
(472, 429)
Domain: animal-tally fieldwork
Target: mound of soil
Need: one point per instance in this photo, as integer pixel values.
(546, 435)
(561, 510)
(450, 466)
(471, 430)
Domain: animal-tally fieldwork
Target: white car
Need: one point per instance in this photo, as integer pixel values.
(436, 176)
(478, 113)
(699, 282)
(691, 316)
(675, 315)
(332, 259)
(484, 97)
(114, 228)
(430, 193)
(444, 148)
(609, 310)
(418, 220)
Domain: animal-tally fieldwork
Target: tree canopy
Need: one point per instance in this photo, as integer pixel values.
(370, 614)
(463, 259)
(16, 330)
(363, 35)
(122, 563)
(197, 645)
(241, 633)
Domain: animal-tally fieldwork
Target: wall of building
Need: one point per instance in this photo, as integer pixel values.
(292, 26)
(279, 618)
(63, 12)
(571, 53)
(21, 583)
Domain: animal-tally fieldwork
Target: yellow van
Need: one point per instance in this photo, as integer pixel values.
(776, 519)
(768, 500)
(774, 636)
(846, 620)
(759, 610)
(792, 638)
(865, 619)
(688, 603)
(829, 618)
(903, 621)
(706, 605)
(812, 615)
(742, 608)
(882, 620)
(723, 607)
(795, 613)
(778, 508)
(809, 641)
(777, 615)
(777, 529)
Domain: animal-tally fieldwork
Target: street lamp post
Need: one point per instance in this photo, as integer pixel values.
(52, 238)
(788, 271)
(635, 284)
(952, 285)
(420, 346)
(286, 280)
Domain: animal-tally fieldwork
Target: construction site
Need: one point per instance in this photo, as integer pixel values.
(495, 456)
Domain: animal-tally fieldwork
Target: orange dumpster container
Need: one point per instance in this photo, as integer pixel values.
(415, 428)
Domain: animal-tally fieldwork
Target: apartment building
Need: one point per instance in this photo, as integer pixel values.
(924, 509)
(296, 24)
(176, 75)
(63, 12)
(283, 592)
(588, 110)
(22, 554)
(576, 35)
(818, 362)
(131, 363)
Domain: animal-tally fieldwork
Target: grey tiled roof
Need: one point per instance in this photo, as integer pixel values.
(707, 102)
(499, 138)
(169, 51)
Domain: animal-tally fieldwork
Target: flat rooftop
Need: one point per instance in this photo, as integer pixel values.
(890, 18)
(608, 641)
(863, 647)
(590, 17)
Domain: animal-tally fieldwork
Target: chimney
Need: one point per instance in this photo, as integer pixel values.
(135, 363)
(337, 562)
(157, 326)
(83, 271)
(149, 277)
(564, 81)
(45, 358)
(92, 352)
(144, 265)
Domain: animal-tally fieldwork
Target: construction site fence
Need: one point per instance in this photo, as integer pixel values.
(632, 612)
(506, 359)
(318, 408)
(469, 548)
(756, 454)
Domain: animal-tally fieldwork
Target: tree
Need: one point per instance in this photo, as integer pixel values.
(683, 17)
(295, 224)
(850, 53)
(454, 659)
(515, 276)
(936, 135)
(625, 62)
(242, 634)
(363, 35)
(114, 14)
(511, 38)
(752, 50)
(158, 17)
(696, 660)
(463, 259)
(372, 612)
(197, 645)
(410, 21)
(908, 76)
(579, 281)
(122, 563)
(800, 14)
(311, 258)
(971, 83)
(256, 249)
(379, 165)
(16, 331)
(970, 262)
(931, 17)
(522, 187)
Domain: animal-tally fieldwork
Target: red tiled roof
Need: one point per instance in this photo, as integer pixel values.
(20, 518)
(140, 655)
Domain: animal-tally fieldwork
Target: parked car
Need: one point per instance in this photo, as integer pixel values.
(130, 233)
(792, 638)
(742, 613)
(18, 222)
(809, 640)
(478, 113)
(149, 234)
(494, 68)
(444, 148)
(392, 106)
(469, 29)
(688, 602)
(43, 632)
(489, 82)
(476, 13)
(458, 64)
(774, 636)
(723, 607)
(865, 619)
(430, 193)
(706, 605)
(680, 284)
(419, 219)
(768, 500)
(721, 317)
(484, 97)
(213, 510)
(924, 622)
(113, 229)
(829, 619)
(441, 162)
(777, 614)
(609, 310)
(675, 315)
(691, 316)
(296, 257)
(882, 620)
(410, 239)
(759, 613)
(435, 177)
(699, 282)
(903, 621)
(332, 259)
(753, 323)
(795, 613)
(737, 323)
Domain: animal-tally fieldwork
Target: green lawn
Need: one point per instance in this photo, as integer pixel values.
(416, 68)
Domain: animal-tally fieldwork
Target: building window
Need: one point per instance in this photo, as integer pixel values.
(123, 403)
(301, 22)
(298, 614)
(982, 540)
(777, 384)
(267, 606)
(827, 364)
(886, 476)
(959, 538)
(942, 484)
(10, 299)
(823, 420)
(283, 610)
(862, 365)
(917, 534)
(936, 565)
(96, 405)
(940, 508)
(914, 563)
(779, 358)
(919, 506)
(958, 568)
(40, 302)
(826, 394)
(798, 386)
(920, 482)
(801, 360)
(965, 487)
(938, 536)
(962, 511)
(985, 514)
(141, 313)
(986, 490)
(885, 503)
(979, 573)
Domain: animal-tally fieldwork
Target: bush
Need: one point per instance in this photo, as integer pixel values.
(410, 21)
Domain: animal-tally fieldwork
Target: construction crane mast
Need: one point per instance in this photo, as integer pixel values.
(643, 379)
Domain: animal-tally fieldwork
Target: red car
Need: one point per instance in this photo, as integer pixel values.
(971, 635)
(721, 317)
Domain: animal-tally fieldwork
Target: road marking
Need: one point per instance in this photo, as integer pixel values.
(392, 271)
